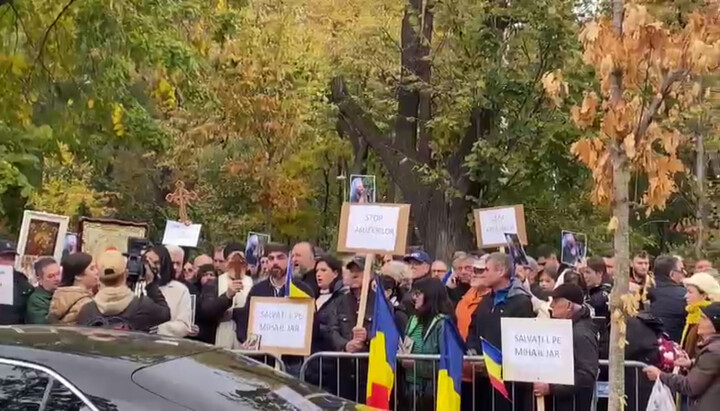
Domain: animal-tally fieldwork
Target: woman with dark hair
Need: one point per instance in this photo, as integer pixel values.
(77, 287)
(177, 295)
(328, 273)
(431, 306)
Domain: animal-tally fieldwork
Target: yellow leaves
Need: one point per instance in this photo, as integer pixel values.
(90, 104)
(555, 86)
(613, 224)
(15, 62)
(164, 93)
(593, 153)
(636, 18)
(629, 145)
(584, 116)
(589, 33)
(620, 119)
(704, 57)
(118, 114)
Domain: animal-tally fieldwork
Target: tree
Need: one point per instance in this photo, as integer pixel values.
(458, 124)
(647, 68)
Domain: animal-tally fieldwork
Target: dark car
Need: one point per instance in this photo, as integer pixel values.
(62, 368)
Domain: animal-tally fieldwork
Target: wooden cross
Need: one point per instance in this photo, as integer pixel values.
(182, 197)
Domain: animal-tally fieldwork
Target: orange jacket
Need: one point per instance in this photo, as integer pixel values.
(464, 313)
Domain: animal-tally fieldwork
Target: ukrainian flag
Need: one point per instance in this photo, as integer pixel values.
(493, 364)
(449, 379)
(384, 342)
(292, 290)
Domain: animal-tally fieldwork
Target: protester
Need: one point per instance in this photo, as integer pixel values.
(79, 280)
(702, 382)
(38, 305)
(219, 260)
(459, 283)
(546, 282)
(188, 273)
(609, 261)
(235, 278)
(507, 298)
(419, 264)
(702, 289)
(199, 261)
(176, 293)
(703, 266)
(667, 298)
(400, 273)
(262, 273)
(115, 306)
(303, 260)
(567, 303)
(15, 313)
(393, 293)
(438, 269)
(598, 291)
(425, 329)
(640, 268)
(547, 257)
(211, 306)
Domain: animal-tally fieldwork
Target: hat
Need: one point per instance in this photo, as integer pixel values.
(111, 264)
(480, 263)
(8, 247)
(358, 261)
(74, 265)
(712, 312)
(570, 292)
(420, 256)
(233, 248)
(706, 284)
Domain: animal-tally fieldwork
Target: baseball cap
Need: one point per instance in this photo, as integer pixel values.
(420, 256)
(570, 292)
(480, 263)
(112, 264)
(712, 312)
(358, 260)
(8, 247)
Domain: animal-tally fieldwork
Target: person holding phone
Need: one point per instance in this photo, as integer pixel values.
(234, 285)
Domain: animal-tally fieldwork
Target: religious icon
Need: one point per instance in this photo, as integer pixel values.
(42, 237)
(71, 245)
(574, 247)
(362, 189)
(255, 248)
(515, 249)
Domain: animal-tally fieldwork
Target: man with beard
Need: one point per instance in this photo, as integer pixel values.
(274, 286)
(303, 261)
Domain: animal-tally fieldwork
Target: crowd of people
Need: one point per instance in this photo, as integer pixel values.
(676, 332)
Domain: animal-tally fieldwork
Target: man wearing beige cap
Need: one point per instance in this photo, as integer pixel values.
(115, 305)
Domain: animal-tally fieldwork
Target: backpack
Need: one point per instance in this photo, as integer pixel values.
(668, 352)
(120, 322)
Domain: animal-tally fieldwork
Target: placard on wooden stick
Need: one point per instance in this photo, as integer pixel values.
(373, 228)
(285, 325)
(492, 223)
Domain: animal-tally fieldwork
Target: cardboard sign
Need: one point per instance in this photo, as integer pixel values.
(283, 324)
(181, 235)
(374, 228)
(491, 224)
(7, 285)
(545, 343)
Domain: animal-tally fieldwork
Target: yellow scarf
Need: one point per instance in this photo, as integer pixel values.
(693, 317)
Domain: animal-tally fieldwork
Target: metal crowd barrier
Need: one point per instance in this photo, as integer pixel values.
(266, 358)
(345, 375)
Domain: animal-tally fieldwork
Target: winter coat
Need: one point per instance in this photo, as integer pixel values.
(579, 397)
(38, 306)
(689, 335)
(15, 313)
(667, 303)
(178, 299)
(226, 332)
(146, 312)
(210, 310)
(702, 382)
(325, 373)
(456, 294)
(598, 300)
(66, 304)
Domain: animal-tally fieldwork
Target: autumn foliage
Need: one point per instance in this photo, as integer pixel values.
(657, 65)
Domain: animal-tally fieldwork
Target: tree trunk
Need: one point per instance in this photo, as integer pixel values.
(443, 225)
(700, 176)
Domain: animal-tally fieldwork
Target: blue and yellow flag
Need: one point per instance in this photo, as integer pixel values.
(449, 379)
(384, 340)
(292, 290)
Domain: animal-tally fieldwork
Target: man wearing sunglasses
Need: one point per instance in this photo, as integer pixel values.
(667, 298)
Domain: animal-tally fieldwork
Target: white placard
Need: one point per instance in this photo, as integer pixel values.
(372, 227)
(545, 344)
(7, 285)
(181, 235)
(495, 223)
(283, 324)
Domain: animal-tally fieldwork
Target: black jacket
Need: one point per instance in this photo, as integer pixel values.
(598, 300)
(325, 373)
(15, 314)
(579, 397)
(143, 313)
(310, 279)
(667, 303)
(209, 311)
(456, 294)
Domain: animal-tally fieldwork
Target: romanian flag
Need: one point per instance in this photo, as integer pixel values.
(493, 363)
(384, 342)
(292, 290)
(451, 364)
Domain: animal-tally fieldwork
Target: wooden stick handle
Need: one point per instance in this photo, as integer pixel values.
(540, 402)
(367, 276)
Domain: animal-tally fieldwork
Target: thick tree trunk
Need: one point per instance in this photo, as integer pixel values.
(443, 225)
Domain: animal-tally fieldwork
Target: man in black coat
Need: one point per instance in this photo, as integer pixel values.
(15, 313)
(667, 298)
(507, 299)
(567, 303)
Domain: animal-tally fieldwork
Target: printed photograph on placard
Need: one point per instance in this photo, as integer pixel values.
(255, 247)
(515, 249)
(71, 244)
(362, 189)
(573, 247)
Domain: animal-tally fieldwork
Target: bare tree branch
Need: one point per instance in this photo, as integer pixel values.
(650, 112)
